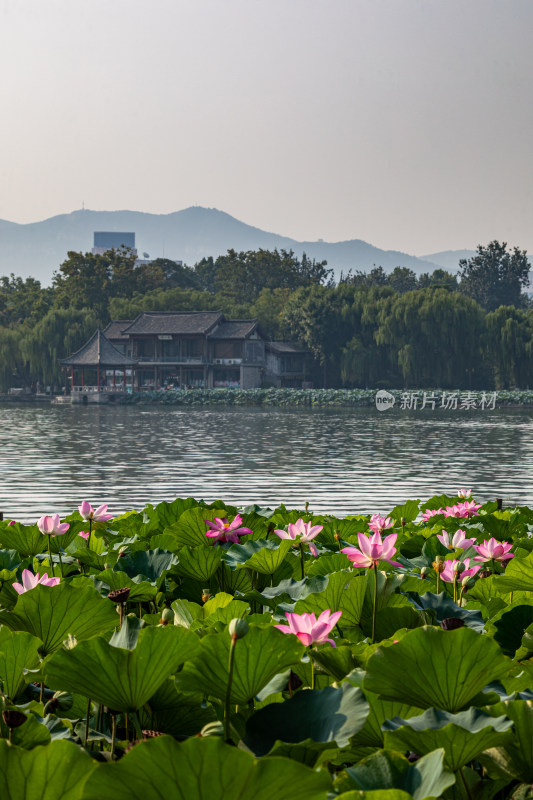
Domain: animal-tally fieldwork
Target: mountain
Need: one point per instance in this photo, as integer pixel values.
(449, 259)
(38, 248)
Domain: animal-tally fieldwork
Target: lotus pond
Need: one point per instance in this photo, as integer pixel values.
(203, 651)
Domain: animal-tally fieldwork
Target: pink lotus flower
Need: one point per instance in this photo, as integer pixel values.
(11, 522)
(458, 540)
(450, 575)
(462, 510)
(309, 629)
(431, 513)
(372, 550)
(84, 535)
(301, 533)
(493, 550)
(30, 581)
(464, 493)
(52, 526)
(378, 523)
(87, 512)
(223, 531)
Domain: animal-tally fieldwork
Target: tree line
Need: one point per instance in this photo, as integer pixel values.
(368, 329)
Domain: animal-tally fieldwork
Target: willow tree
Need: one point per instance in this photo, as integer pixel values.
(59, 333)
(436, 335)
(509, 346)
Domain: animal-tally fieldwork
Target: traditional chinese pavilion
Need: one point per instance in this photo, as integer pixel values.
(99, 371)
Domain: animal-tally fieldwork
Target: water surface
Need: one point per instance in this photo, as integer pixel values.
(342, 461)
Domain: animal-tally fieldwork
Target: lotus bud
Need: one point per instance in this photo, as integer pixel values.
(467, 583)
(13, 718)
(238, 628)
(212, 729)
(306, 506)
(424, 572)
(206, 595)
(459, 568)
(167, 616)
(438, 564)
(61, 701)
(70, 642)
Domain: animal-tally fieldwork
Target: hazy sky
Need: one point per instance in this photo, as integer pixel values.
(406, 123)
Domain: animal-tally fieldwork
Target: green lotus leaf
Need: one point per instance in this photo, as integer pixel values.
(200, 563)
(509, 626)
(170, 712)
(19, 650)
(27, 540)
(462, 736)
(190, 528)
(203, 769)
(445, 669)
(151, 564)
(328, 715)
(408, 511)
(259, 655)
(389, 770)
(518, 575)
(164, 514)
(9, 559)
(30, 734)
(262, 555)
(344, 592)
(513, 761)
(121, 679)
(378, 794)
(326, 564)
(58, 770)
(337, 661)
(444, 608)
(392, 619)
(52, 612)
(141, 592)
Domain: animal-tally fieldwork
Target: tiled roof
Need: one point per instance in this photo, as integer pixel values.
(234, 329)
(158, 322)
(115, 328)
(285, 347)
(98, 351)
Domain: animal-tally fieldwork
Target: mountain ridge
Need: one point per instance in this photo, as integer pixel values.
(38, 248)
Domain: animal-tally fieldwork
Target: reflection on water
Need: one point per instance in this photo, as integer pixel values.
(341, 460)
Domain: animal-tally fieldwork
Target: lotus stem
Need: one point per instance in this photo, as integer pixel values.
(90, 531)
(302, 560)
(61, 562)
(86, 737)
(50, 557)
(113, 734)
(375, 608)
(312, 672)
(227, 707)
(438, 581)
(127, 726)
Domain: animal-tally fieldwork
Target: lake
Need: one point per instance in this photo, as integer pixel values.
(342, 461)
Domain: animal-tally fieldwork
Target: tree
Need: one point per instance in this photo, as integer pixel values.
(495, 276)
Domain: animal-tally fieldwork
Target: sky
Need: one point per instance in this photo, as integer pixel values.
(405, 123)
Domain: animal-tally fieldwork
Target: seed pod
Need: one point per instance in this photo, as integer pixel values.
(167, 616)
(119, 595)
(452, 623)
(13, 718)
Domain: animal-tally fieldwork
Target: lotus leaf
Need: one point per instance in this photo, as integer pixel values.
(52, 612)
(203, 769)
(328, 715)
(462, 736)
(344, 591)
(58, 770)
(445, 669)
(121, 679)
(259, 655)
(389, 770)
(19, 650)
(199, 564)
